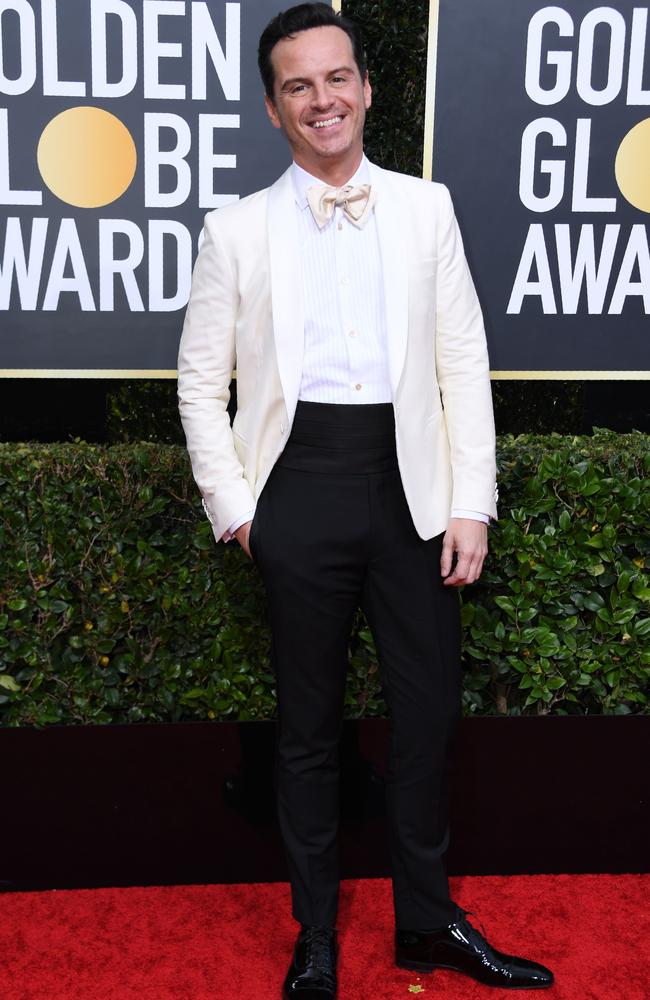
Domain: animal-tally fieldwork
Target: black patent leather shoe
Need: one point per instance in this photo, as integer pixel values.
(312, 973)
(460, 947)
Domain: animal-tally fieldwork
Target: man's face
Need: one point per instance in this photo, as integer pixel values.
(320, 101)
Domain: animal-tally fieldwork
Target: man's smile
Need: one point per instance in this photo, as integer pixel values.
(327, 122)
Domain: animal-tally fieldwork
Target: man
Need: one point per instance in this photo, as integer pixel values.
(359, 470)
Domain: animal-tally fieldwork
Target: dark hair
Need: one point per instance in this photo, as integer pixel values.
(304, 16)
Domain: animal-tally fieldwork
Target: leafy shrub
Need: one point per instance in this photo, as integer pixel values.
(116, 605)
(562, 613)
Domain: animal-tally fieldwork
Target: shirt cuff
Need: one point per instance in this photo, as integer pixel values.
(471, 515)
(228, 535)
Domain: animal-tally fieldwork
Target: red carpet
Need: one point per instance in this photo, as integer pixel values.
(233, 942)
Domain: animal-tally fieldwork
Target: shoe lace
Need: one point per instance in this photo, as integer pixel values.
(318, 942)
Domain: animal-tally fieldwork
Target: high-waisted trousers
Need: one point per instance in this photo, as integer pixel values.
(332, 531)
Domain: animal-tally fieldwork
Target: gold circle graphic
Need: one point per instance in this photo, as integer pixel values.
(86, 157)
(633, 166)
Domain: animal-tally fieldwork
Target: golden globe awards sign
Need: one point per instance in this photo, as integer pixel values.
(122, 122)
(542, 131)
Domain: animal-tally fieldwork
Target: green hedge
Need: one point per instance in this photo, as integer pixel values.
(116, 605)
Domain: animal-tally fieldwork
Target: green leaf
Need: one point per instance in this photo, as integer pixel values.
(594, 601)
(467, 614)
(17, 604)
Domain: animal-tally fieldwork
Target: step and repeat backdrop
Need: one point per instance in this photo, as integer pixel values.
(538, 118)
(123, 121)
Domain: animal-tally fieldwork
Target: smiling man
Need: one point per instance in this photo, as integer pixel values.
(359, 471)
(319, 100)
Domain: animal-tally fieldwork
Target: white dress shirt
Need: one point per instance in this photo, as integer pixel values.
(346, 353)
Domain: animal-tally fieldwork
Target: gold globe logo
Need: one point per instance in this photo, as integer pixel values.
(633, 166)
(86, 157)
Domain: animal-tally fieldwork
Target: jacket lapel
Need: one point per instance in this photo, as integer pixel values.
(392, 246)
(286, 288)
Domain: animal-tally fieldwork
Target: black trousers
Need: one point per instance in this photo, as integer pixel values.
(332, 532)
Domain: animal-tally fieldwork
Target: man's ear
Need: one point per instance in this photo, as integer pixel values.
(367, 91)
(272, 112)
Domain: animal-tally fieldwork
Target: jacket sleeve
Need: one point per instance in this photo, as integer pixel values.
(205, 364)
(463, 370)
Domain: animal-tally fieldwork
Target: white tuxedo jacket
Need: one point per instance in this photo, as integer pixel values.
(246, 311)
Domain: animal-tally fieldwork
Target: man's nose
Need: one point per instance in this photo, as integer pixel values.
(321, 97)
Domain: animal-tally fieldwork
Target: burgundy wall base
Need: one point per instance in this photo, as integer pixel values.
(193, 803)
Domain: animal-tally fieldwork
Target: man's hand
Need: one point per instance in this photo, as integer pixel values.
(241, 534)
(468, 539)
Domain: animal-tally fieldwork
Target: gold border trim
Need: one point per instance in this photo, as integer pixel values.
(88, 373)
(430, 89)
(601, 374)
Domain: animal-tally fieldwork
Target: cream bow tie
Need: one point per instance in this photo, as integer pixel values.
(356, 202)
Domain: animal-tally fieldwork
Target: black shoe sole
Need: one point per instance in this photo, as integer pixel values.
(285, 995)
(427, 967)
(292, 996)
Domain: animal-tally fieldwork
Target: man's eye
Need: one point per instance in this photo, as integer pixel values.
(298, 89)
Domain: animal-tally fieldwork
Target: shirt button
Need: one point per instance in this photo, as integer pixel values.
(345, 281)
(340, 225)
(358, 386)
(353, 333)
(281, 428)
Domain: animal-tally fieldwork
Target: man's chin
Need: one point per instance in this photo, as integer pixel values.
(330, 146)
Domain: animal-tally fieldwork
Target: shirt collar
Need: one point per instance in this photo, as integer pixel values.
(303, 180)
